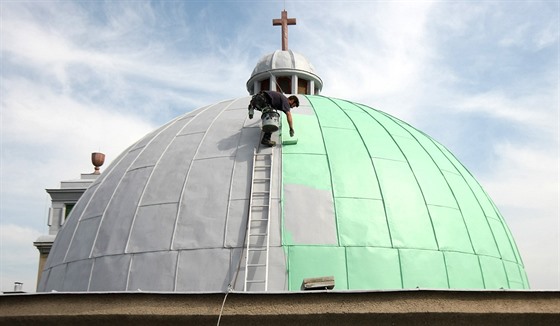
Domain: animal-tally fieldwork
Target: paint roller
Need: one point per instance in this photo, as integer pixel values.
(287, 140)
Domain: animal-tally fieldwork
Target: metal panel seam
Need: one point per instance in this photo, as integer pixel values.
(176, 276)
(511, 240)
(99, 184)
(151, 174)
(128, 272)
(443, 175)
(373, 166)
(446, 154)
(415, 177)
(329, 166)
(189, 171)
(481, 271)
(90, 274)
(231, 178)
(119, 183)
(445, 267)
(400, 267)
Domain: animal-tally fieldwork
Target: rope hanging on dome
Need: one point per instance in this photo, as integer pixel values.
(277, 85)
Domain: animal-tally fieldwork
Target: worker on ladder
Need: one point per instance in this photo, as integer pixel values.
(267, 101)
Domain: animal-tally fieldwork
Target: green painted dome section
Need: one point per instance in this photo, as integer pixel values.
(378, 204)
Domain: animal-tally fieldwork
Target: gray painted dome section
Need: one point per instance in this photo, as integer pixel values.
(160, 217)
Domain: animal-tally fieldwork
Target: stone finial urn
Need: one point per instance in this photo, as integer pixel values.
(97, 159)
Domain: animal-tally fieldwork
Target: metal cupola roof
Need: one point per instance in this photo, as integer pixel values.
(284, 64)
(362, 196)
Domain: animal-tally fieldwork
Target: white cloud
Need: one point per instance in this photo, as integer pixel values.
(44, 118)
(47, 137)
(524, 186)
(547, 37)
(534, 110)
(19, 259)
(525, 177)
(365, 43)
(117, 60)
(373, 53)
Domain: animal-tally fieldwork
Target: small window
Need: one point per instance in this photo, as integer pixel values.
(265, 85)
(302, 86)
(285, 84)
(67, 209)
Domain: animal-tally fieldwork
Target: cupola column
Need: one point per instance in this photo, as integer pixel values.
(273, 84)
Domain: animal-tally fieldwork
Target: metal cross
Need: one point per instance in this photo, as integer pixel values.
(284, 21)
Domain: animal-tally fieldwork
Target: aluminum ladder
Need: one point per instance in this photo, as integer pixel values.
(258, 226)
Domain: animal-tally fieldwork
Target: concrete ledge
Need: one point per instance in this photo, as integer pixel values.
(300, 308)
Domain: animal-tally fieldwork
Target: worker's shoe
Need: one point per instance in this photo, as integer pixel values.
(268, 142)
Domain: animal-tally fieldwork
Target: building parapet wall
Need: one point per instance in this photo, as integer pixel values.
(298, 308)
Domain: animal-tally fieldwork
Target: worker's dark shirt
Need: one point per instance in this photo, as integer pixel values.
(278, 101)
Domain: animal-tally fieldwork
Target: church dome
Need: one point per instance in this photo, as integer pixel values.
(285, 63)
(362, 196)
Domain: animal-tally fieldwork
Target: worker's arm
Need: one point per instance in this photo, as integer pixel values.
(290, 123)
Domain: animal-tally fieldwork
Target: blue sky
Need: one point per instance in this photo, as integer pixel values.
(481, 77)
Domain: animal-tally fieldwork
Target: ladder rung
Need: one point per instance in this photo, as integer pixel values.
(260, 192)
(262, 167)
(256, 281)
(257, 249)
(256, 265)
(259, 205)
(259, 219)
(258, 234)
